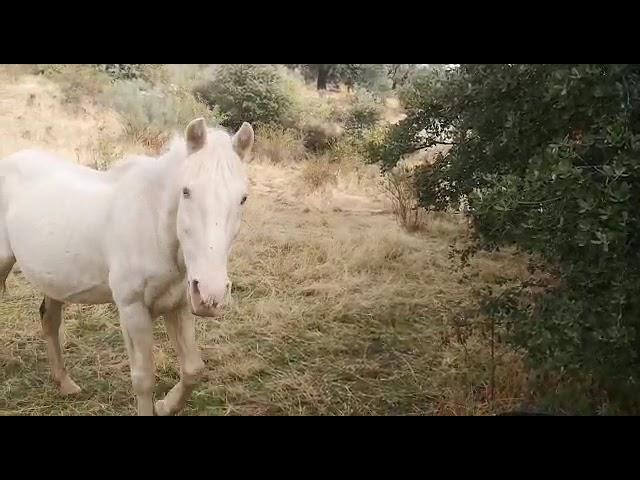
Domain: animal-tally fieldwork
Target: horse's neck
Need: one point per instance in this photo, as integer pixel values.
(165, 171)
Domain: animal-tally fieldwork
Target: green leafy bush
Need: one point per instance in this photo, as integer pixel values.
(121, 71)
(365, 111)
(151, 116)
(320, 135)
(549, 156)
(248, 93)
(77, 82)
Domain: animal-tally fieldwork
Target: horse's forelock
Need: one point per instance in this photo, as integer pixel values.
(217, 156)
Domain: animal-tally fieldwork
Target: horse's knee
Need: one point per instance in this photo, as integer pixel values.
(50, 316)
(142, 382)
(192, 374)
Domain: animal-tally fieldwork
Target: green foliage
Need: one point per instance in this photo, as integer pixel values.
(151, 116)
(77, 82)
(321, 73)
(372, 76)
(248, 93)
(121, 71)
(364, 113)
(549, 157)
(320, 135)
(400, 73)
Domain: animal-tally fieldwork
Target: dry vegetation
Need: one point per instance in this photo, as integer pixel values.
(404, 201)
(336, 309)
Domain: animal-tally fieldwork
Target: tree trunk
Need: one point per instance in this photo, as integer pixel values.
(323, 75)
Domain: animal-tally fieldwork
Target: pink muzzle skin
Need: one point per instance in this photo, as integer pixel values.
(206, 305)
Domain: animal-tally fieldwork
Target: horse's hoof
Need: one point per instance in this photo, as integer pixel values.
(161, 410)
(69, 387)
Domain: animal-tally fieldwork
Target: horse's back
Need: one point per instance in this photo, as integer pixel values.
(33, 164)
(55, 214)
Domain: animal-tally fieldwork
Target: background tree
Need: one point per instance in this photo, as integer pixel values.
(321, 73)
(370, 76)
(253, 93)
(399, 73)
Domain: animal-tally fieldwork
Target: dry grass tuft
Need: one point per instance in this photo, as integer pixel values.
(319, 172)
(400, 187)
(279, 145)
(78, 83)
(35, 114)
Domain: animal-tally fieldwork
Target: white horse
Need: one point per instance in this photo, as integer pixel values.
(151, 235)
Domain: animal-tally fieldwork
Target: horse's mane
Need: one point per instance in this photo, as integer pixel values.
(177, 150)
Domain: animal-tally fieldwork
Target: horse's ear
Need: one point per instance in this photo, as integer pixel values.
(196, 135)
(243, 140)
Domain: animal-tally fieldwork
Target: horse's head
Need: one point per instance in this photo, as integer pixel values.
(213, 190)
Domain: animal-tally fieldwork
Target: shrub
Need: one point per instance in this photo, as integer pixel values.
(353, 171)
(400, 186)
(319, 118)
(320, 135)
(248, 93)
(121, 71)
(374, 141)
(280, 145)
(372, 76)
(318, 172)
(150, 116)
(548, 156)
(47, 69)
(77, 82)
(188, 76)
(364, 112)
(346, 149)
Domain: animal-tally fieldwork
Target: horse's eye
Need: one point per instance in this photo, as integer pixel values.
(186, 193)
(244, 199)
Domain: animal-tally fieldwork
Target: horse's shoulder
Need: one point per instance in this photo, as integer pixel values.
(126, 165)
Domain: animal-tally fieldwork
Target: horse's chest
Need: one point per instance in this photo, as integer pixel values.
(166, 295)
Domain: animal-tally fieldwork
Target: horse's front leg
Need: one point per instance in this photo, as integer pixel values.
(181, 329)
(137, 329)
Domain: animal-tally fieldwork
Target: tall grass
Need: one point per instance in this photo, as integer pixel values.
(280, 145)
(78, 83)
(399, 185)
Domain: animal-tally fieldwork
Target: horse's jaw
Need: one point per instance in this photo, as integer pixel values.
(215, 312)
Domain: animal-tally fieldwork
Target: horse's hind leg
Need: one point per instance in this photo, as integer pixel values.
(51, 317)
(7, 259)
(6, 264)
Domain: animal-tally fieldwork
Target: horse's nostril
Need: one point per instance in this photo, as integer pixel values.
(194, 283)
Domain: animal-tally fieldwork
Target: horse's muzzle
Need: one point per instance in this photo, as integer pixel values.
(205, 305)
